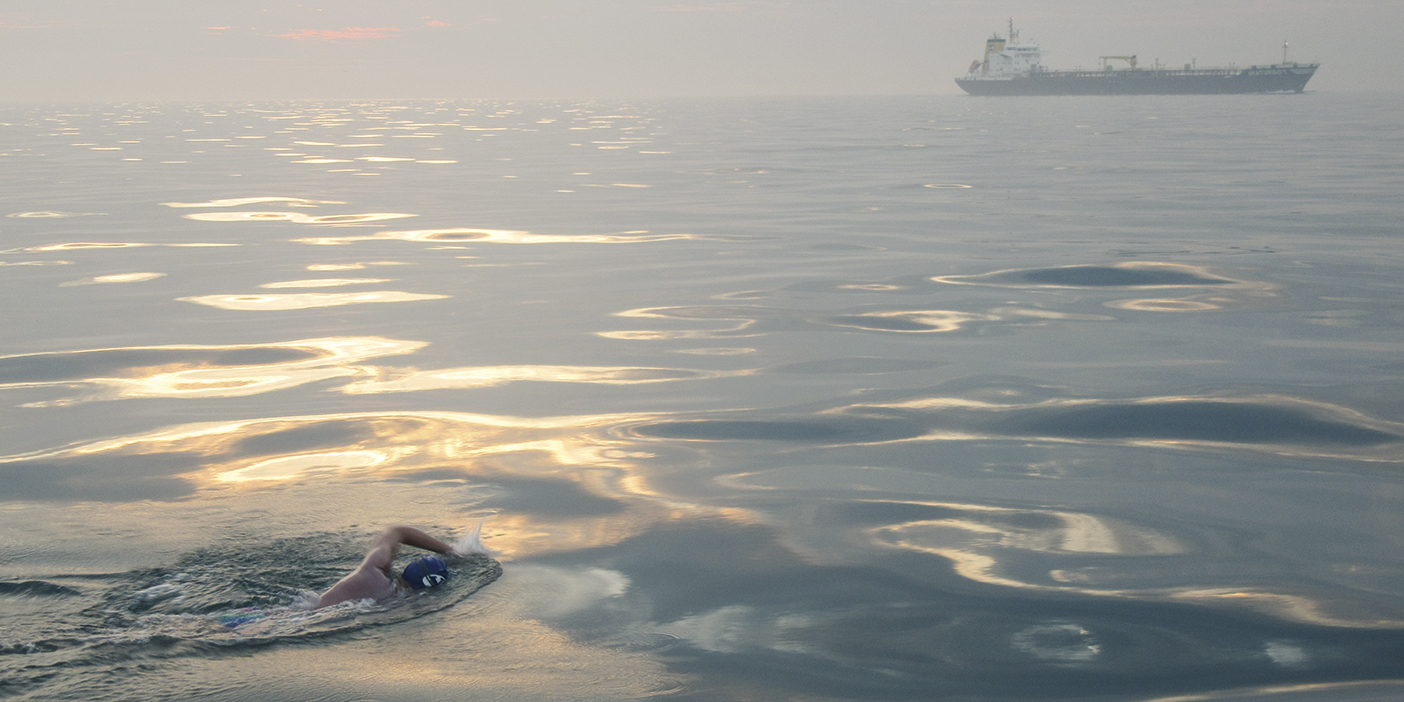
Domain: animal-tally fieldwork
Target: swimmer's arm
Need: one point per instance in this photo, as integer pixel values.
(413, 537)
(382, 553)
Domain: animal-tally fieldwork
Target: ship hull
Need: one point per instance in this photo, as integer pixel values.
(1289, 78)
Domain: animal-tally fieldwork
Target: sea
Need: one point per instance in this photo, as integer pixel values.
(823, 399)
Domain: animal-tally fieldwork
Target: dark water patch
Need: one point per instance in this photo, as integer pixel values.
(757, 320)
(292, 436)
(880, 512)
(848, 430)
(81, 365)
(36, 588)
(262, 356)
(719, 430)
(322, 435)
(991, 648)
(655, 374)
(32, 647)
(551, 498)
(999, 389)
(1019, 519)
(99, 478)
(1087, 276)
(901, 285)
(856, 366)
(844, 247)
(429, 475)
(1189, 421)
(745, 613)
(1104, 276)
(746, 295)
(714, 312)
(1229, 422)
(694, 567)
(923, 321)
(893, 323)
(762, 170)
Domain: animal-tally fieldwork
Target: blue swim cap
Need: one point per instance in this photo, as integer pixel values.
(425, 572)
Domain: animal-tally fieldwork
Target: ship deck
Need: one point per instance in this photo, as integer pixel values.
(1200, 81)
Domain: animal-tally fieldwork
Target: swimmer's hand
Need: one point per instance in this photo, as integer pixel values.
(471, 544)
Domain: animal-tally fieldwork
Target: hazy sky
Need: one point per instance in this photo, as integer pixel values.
(278, 49)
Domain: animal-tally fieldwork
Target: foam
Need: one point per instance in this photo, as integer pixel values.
(472, 544)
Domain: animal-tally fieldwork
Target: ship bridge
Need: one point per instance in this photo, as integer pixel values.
(1008, 59)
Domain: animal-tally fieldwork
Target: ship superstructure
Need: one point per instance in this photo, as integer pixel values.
(1013, 67)
(1006, 59)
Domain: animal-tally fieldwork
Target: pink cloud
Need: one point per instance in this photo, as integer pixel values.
(436, 23)
(347, 33)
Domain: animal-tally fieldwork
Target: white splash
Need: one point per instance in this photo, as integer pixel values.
(472, 543)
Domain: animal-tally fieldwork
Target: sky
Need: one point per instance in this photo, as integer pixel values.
(142, 50)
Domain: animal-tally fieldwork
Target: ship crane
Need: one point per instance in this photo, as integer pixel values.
(1129, 59)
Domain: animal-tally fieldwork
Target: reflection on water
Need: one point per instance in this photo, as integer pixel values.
(1152, 305)
(235, 202)
(295, 217)
(1137, 274)
(84, 245)
(910, 321)
(351, 266)
(196, 371)
(1035, 530)
(505, 461)
(490, 236)
(918, 399)
(758, 320)
(752, 321)
(324, 283)
(488, 376)
(51, 214)
(416, 440)
(234, 371)
(77, 245)
(1288, 426)
(1060, 643)
(302, 301)
(115, 278)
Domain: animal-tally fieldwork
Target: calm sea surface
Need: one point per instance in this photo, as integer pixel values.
(868, 399)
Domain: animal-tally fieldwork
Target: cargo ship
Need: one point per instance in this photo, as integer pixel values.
(1011, 67)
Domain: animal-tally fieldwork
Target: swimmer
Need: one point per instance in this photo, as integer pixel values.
(375, 580)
